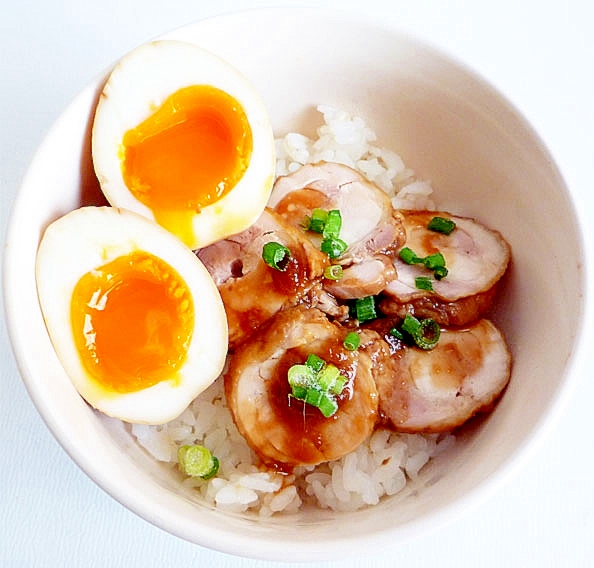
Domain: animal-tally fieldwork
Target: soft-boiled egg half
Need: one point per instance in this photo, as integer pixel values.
(133, 315)
(181, 137)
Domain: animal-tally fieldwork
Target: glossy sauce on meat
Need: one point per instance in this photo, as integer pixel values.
(282, 430)
(476, 258)
(297, 206)
(370, 225)
(252, 291)
(437, 390)
(297, 415)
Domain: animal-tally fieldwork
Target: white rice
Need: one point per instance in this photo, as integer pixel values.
(347, 140)
(380, 467)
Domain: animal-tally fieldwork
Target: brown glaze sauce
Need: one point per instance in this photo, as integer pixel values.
(452, 362)
(294, 278)
(305, 430)
(273, 288)
(446, 313)
(430, 241)
(296, 206)
(304, 416)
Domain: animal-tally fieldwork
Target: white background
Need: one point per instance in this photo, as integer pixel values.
(539, 54)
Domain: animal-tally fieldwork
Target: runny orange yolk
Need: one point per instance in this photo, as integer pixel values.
(132, 321)
(186, 155)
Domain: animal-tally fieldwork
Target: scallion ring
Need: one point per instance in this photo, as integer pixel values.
(425, 333)
(441, 225)
(428, 334)
(329, 379)
(351, 341)
(395, 332)
(276, 255)
(314, 362)
(197, 461)
(301, 375)
(434, 261)
(333, 272)
(317, 383)
(333, 247)
(317, 221)
(410, 324)
(328, 405)
(424, 283)
(333, 224)
(440, 272)
(365, 309)
(408, 256)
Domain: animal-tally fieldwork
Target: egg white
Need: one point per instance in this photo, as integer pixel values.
(139, 84)
(93, 236)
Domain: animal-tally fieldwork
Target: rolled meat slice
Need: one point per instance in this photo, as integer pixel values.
(251, 290)
(283, 430)
(476, 258)
(440, 389)
(370, 225)
(367, 278)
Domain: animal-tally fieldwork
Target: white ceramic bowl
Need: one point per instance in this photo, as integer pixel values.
(483, 160)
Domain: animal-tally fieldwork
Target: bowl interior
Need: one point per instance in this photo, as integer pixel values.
(483, 160)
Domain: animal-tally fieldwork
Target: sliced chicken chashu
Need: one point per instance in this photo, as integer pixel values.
(370, 225)
(252, 291)
(476, 258)
(367, 278)
(440, 389)
(281, 429)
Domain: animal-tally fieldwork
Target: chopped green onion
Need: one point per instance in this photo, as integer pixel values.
(425, 332)
(333, 246)
(333, 224)
(428, 334)
(317, 383)
(299, 392)
(315, 363)
(328, 405)
(333, 272)
(351, 341)
(328, 223)
(440, 272)
(423, 283)
(395, 332)
(408, 256)
(338, 385)
(327, 377)
(441, 225)
(365, 309)
(313, 396)
(317, 222)
(197, 461)
(301, 375)
(434, 261)
(410, 324)
(276, 255)
(323, 401)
